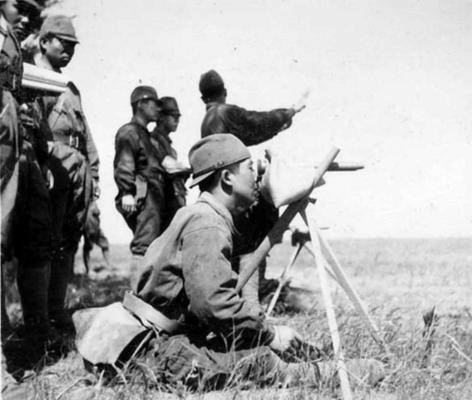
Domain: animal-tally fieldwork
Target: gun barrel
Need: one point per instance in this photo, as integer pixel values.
(347, 166)
(36, 78)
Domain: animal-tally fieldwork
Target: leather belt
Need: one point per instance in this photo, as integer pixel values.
(148, 315)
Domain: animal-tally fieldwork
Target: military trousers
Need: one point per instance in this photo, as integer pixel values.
(32, 231)
(148, 222)
(70, 196)
(200, 366)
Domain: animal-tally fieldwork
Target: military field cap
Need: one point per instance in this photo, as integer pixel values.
(143, 93)
(33, 4)
(59, 25)
(169, 106)
(215, 152)
(211, 83)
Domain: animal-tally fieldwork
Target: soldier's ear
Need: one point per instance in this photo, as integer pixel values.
(226, 177)
(43, 41)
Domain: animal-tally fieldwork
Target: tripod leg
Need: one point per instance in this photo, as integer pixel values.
(351, 292)
(333, 326)
(327, 266)
(283, 279)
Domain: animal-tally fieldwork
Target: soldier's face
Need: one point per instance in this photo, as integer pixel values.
(20, 27)
(28, 20)
(150, 110)
(58, 51)
(10, 11)
(170, 122)
(244, 184)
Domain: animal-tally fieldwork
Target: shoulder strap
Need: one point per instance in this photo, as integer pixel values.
(3, 30)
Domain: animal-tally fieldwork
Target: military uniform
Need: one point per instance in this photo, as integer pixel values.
(138, 172)
(73, 161)
(29, 236)
(10, 78)
(188, 324)
(188, 273)
(174, 185)
(251, 127)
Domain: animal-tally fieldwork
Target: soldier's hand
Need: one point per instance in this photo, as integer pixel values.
(301, 103)
(173, 166)
(128, 204)
(285, 338)
(48, 177)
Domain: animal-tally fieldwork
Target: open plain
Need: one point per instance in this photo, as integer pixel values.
(399, 280)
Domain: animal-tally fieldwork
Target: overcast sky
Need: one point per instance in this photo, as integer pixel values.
(390, 81)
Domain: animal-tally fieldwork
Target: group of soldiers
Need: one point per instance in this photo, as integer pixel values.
(184, 316)
(49, 171)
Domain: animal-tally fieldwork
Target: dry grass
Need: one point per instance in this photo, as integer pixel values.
(399, 279)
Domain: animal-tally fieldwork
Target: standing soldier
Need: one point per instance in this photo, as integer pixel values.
(73, 160)
(139, 174)
(29, 236)
(251, 127)
(174, 187)
(10, 79)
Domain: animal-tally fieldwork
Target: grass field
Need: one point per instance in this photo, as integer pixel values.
(399, 280)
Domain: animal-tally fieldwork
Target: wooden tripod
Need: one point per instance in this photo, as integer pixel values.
(319, 247)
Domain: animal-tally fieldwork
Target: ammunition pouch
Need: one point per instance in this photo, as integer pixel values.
(9, 77)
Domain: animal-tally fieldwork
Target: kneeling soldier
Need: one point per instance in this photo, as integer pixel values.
(208, 334)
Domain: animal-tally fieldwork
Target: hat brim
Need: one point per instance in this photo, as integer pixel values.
(200, 178)
(34, 4)
(173, 113)
(67, 37)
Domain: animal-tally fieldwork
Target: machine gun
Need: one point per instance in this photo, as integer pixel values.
(320, 249)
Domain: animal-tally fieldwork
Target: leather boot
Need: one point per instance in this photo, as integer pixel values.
(61, 273)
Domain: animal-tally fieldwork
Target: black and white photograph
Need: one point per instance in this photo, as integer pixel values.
(218, 199)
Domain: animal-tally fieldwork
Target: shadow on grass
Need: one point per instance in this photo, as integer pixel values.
(86, 292)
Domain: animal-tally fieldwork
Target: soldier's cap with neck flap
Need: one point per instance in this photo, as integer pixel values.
(213, 153)
(60, 26)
